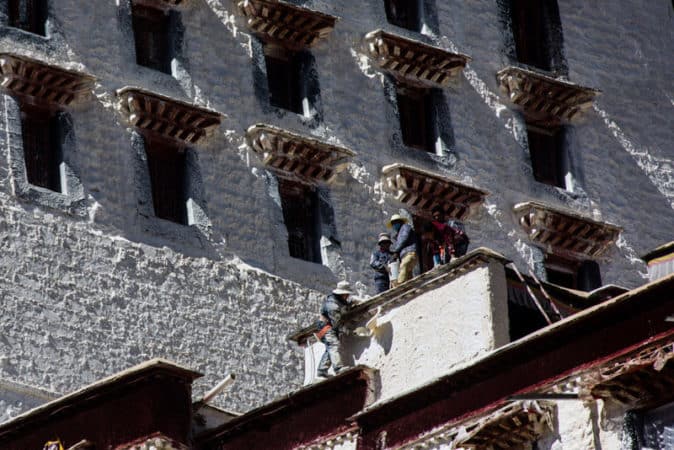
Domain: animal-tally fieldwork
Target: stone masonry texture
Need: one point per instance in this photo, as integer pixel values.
(95, 284)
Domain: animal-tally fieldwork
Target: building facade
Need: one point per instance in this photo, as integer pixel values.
(186, 179)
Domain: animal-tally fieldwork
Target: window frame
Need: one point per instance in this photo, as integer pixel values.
(417, 118)
(547, 151)
(304, 232)
(533, 24)
(167, 166)
(153, 32)
(48, 158)
(35, 12)
(281, 61)
(576, 269)
(410, 17)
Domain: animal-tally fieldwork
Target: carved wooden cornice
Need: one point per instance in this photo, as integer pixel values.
(642, 376)
(44, 82)
(298, 156)
(565, 232)
(287, 25)
(413, 61)
(168, 117)
(422, 191)
(511, 426)
(544, 99)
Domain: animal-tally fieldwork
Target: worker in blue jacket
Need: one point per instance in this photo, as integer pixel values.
(332, 310)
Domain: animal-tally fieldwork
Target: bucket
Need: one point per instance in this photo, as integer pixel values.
(394, 269)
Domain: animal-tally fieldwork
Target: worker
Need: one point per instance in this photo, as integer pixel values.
(451, 237)
(404, 247)
(379, 260)
(332, 310)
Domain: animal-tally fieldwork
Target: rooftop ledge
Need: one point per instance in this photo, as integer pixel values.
(598, 341)
(297, 156)
(167, 117)
(543, 99)
(92, 392)
(413, 288)
(413, 61)
(423, 190)
(287, 25)
(44, 82)
(565, 232)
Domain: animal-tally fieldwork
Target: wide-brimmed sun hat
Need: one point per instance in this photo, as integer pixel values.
(395, 218)
(383, 237)
(343, 287)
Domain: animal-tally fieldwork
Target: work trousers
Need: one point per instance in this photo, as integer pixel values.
(331, 355)
(381, 285)
(460, 248)
(407, 264)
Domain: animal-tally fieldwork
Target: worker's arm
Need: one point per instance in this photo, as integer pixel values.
(378, 264)
(401, 239)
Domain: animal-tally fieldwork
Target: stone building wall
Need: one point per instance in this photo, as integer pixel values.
(94, 283)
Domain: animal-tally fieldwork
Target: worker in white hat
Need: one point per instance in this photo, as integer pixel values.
(379, 261)
(404, 247)
(334, 306)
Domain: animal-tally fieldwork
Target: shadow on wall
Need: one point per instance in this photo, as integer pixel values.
(382, 336)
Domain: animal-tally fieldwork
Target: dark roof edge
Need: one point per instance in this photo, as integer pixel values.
(657, 252)
(98, 388)
(296, 398)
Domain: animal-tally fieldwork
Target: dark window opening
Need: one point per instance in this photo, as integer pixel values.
(404, 13)
(524, 315)
(581, 275)
(561, 277)
(152, 34)
(28, 15)
(523, 319)
(546, 148)
(41, 135)
(417, 119)
(284, 79)
(166, 164)
(300, 214)
(532, 24)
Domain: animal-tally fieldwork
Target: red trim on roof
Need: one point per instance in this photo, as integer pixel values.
(589, 338)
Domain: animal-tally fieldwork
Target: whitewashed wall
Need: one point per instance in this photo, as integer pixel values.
(91, 290)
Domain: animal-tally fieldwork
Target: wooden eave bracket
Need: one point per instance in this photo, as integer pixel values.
(565, 232)
(629, 379)
(287, 25)
(412, 61)
(512, 425)
(543, 99)
(167, 117)
(298, 156)
(422, 191)
(46, 83)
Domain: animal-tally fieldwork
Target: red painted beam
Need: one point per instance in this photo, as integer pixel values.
(601, 333)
